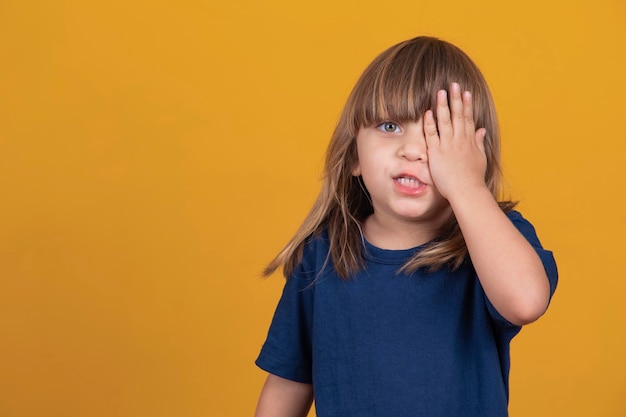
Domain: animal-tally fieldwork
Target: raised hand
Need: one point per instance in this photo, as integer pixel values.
(456, 153)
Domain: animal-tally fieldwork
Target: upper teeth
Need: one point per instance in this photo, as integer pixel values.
(408, 181)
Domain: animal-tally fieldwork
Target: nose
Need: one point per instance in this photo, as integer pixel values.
(413, 144)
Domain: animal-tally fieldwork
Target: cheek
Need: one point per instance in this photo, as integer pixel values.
(370, 159)
(371, 177)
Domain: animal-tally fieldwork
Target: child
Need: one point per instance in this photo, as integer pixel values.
(408, 279)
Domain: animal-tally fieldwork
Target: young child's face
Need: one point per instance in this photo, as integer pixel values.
(393, 162)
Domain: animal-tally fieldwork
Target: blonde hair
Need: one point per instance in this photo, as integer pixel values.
(399, 85)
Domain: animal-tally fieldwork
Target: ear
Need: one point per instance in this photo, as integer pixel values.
(356, 171)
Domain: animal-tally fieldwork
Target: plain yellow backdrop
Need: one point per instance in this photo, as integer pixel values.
(154, 155)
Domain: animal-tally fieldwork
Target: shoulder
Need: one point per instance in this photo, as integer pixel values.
(524, 226)
(315, 256)
(317, 241)
(546, 256)
(516, 217)
(315, 246)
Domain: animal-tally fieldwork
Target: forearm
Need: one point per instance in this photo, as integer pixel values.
(281, 397)
(508, 267)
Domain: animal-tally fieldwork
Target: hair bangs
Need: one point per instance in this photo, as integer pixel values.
(401, 84)
(399, 90)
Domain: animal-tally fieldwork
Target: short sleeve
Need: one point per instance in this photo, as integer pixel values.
(546, 256)
(287, 349)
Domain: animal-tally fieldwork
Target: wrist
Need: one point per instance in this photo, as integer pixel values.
(471, 197)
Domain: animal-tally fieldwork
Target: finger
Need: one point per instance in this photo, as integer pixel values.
(468, 114)
(430, 129)
(444, 123)
(456, 107)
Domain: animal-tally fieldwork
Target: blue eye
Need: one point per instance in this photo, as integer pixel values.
(389, 127)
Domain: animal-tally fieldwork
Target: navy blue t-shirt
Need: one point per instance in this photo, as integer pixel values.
(386, 344)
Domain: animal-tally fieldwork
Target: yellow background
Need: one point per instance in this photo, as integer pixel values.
(155, 154)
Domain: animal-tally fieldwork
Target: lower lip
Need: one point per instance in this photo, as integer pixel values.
(410, 190)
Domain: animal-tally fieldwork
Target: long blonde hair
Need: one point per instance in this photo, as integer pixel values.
(399, 85)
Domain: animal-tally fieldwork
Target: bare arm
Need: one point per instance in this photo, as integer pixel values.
(282, 397)
(508, 267)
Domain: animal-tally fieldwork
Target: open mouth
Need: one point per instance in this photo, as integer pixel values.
(409, 185)
(408, 181)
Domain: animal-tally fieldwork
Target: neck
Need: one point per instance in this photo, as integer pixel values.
(396, 234)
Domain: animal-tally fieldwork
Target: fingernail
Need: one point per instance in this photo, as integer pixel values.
(455, 87)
